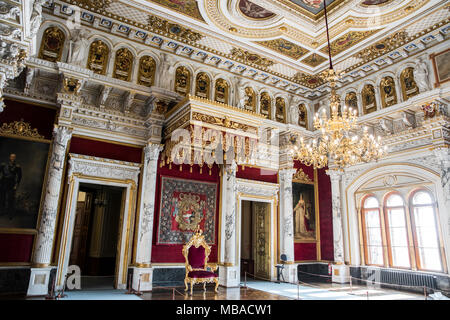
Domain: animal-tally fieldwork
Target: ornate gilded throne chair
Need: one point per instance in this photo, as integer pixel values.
(196, 253)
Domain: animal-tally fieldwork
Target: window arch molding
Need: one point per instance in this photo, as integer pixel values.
(355, 186)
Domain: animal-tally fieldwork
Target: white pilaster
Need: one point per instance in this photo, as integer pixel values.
(46, 231)
(340, 270)
(229, 273)
(286, 224)
(145, 225)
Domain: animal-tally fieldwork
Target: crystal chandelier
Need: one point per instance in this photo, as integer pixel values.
(339, 139)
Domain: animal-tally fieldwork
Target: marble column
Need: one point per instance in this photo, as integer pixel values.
(40, 272)
(378, 96)
(229, 272)
(287, 224)
(340, 270)
(142, 269)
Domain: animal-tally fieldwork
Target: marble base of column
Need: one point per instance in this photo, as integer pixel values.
(290, 273)
(146, 277)
(229, 276)
(341, 273)
(39, 281)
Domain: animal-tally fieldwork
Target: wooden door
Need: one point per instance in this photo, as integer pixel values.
(81, 231)
(261, 239)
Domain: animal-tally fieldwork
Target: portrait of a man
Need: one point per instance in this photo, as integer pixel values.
(22, 170)
(10, 177)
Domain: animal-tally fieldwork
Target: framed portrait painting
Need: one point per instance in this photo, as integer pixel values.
(304, 209)
(441, 65)
(23, 164)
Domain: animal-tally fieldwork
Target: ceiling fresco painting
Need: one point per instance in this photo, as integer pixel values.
(252, 10)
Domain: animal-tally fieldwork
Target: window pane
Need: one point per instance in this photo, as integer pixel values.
(371, 202)
(400, 256)
(373, 236)
(430, 258)
(422, 197)
(398, 235)
(375, 255)
(394, 200)
(427, 237)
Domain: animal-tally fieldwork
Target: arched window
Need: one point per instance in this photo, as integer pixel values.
(146, 75)
(397, 231)
(123, 64)
(372, 232)
(52, 44)
(425, 227)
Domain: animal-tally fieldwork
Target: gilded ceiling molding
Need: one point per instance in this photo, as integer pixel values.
(308, 80)
(347, 41)
(159, 25)
(313, 60)
(187, 7)
(250, 58)
(310, 7)
(383, 46)
(93, 4)
(284, 47)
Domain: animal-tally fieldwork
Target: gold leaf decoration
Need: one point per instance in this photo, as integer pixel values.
(285, 47)
(314, 60)
(20, 129)
(187, 7)
(301, 176)
(251, 58)
(348, 40)
(163, 26)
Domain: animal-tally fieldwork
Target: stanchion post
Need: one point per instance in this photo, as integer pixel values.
(51, 295)
(298, 290)
(351, 288)
(139, 293)
(245, 279)
(130, 289)
(425, 292)
(173, 293)
(367, 293)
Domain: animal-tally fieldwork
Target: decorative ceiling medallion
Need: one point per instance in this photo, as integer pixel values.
(188, 7)
(314, 60)
(253, 11)
(383, 46)
(346, 41)
(20, 129)
(163, 26)
(285, 47)
(253, 58)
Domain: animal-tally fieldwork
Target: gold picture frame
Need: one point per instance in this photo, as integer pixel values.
(441, 66)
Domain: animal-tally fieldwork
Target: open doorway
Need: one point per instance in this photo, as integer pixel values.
(255, 239)
(96, 234)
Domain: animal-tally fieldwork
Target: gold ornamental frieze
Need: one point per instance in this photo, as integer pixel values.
(20, 129)
(222, 122)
